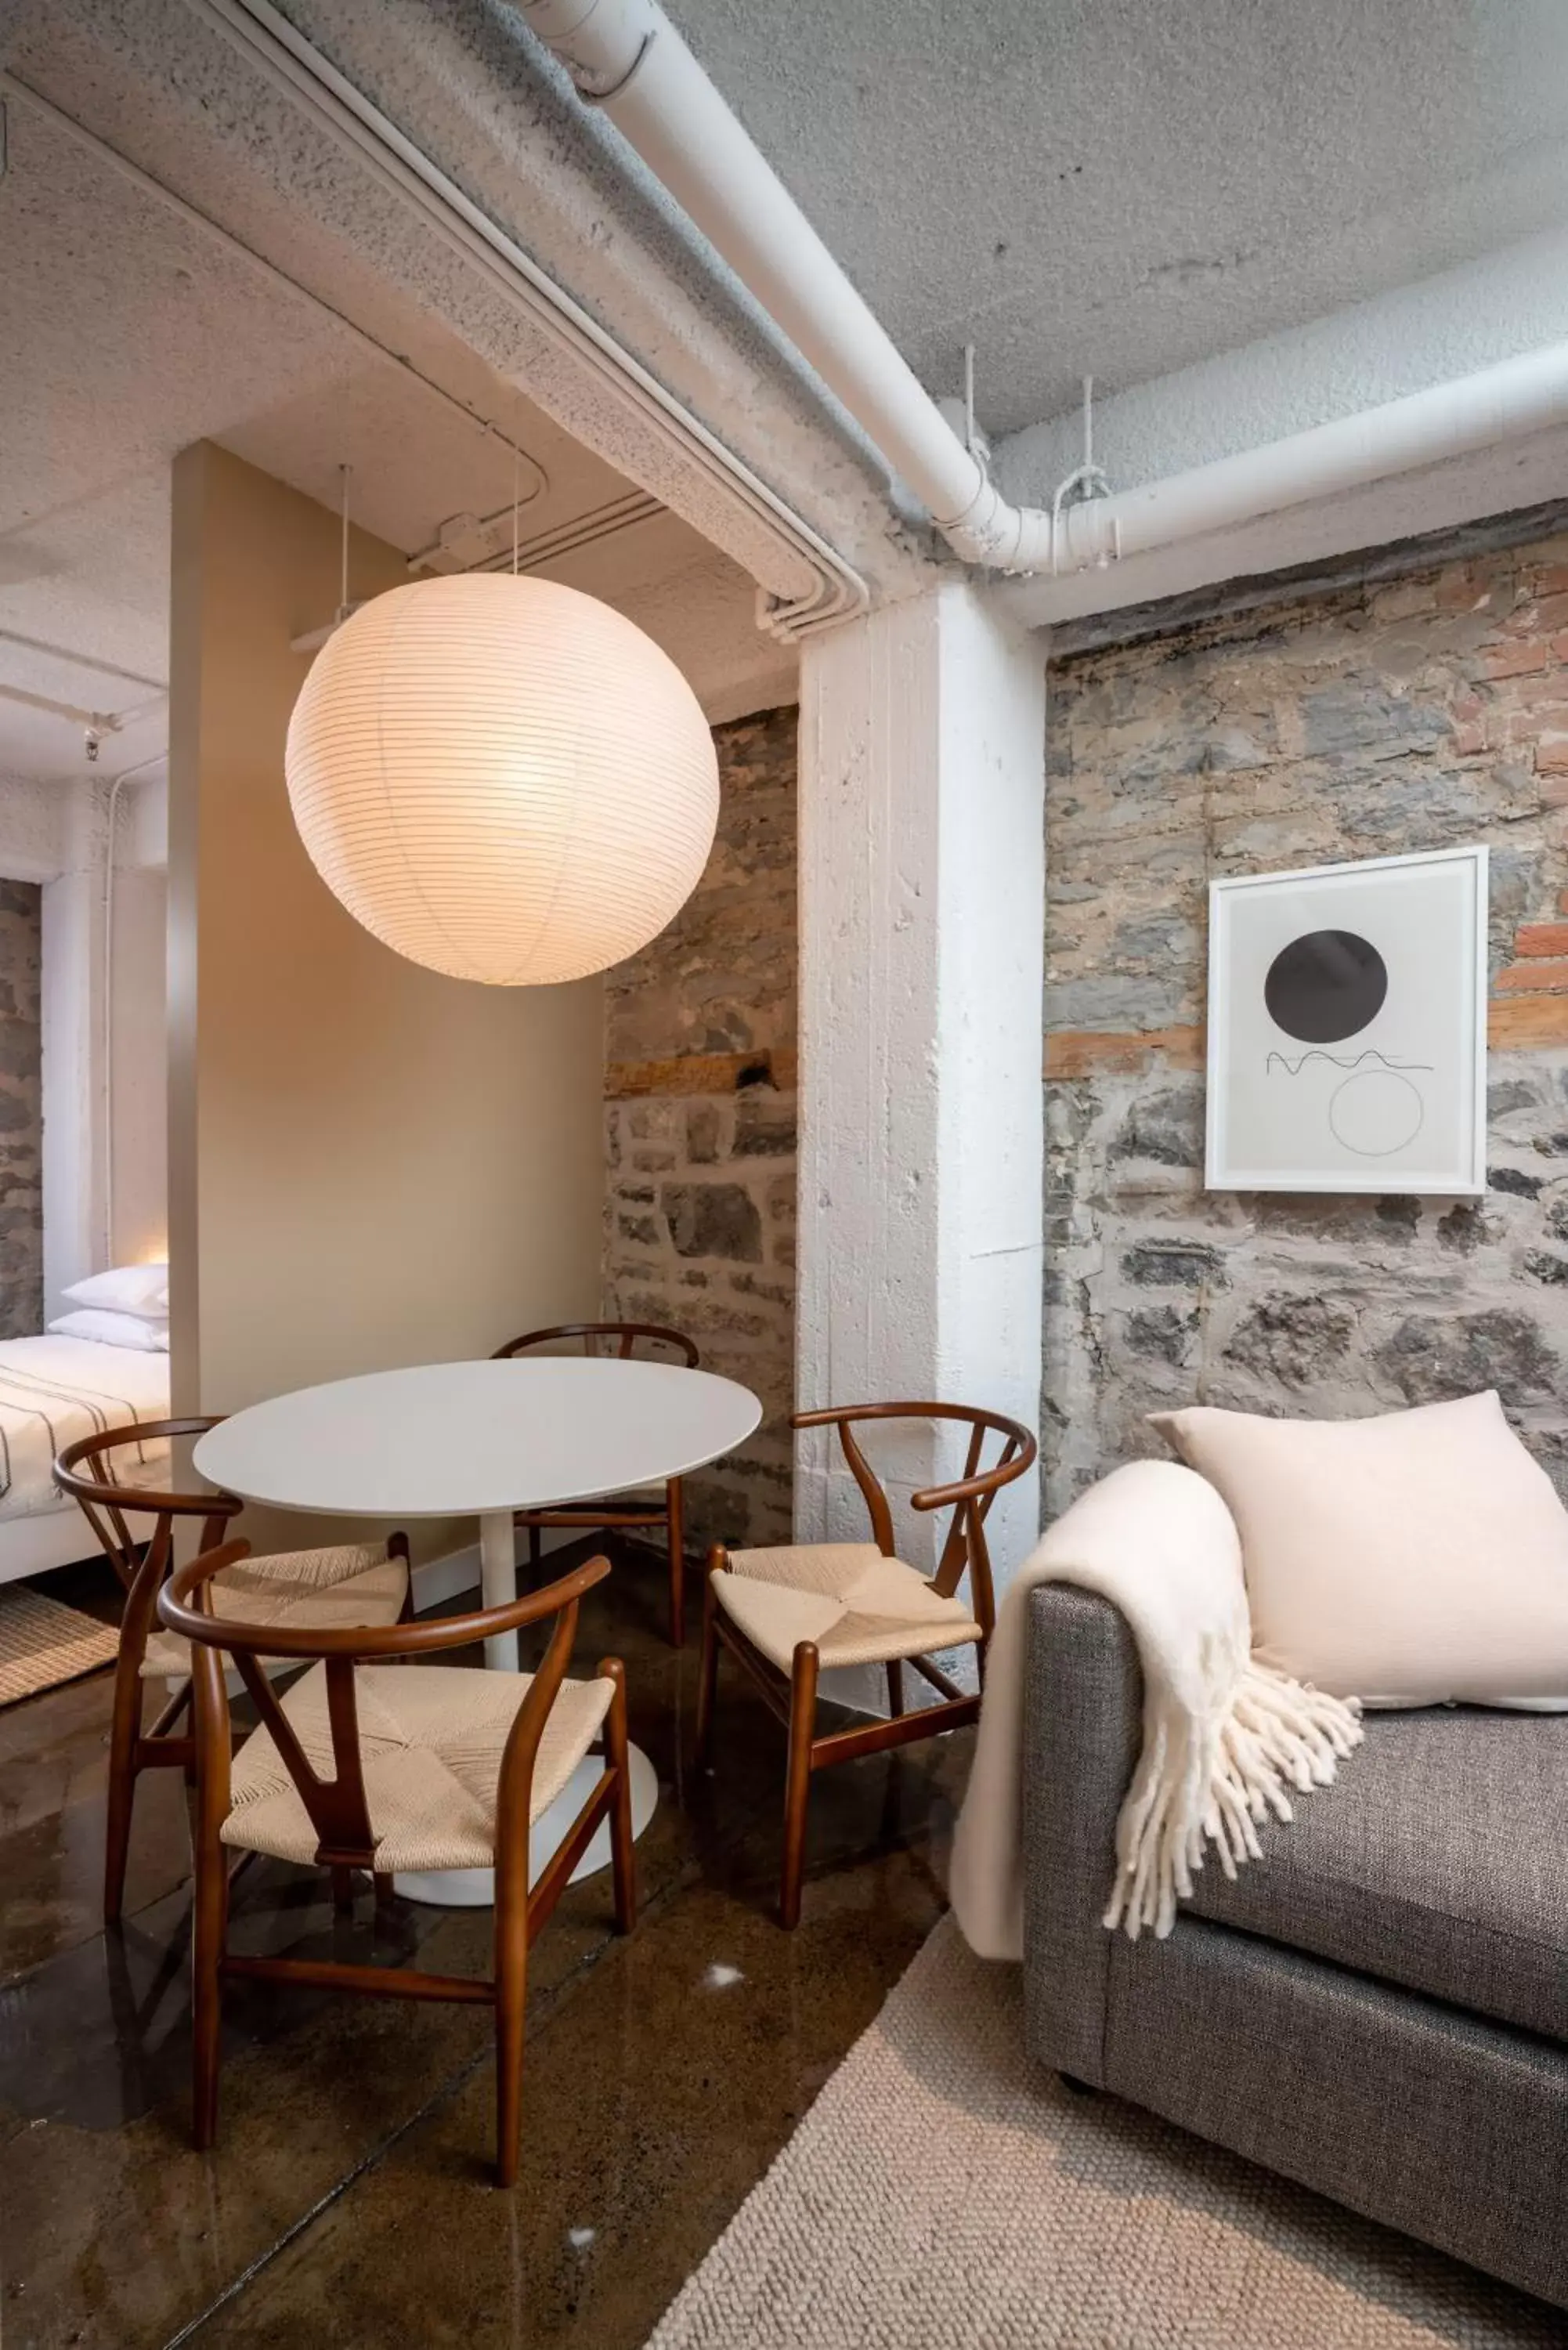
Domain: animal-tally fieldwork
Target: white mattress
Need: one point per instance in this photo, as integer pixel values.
(54, 1390)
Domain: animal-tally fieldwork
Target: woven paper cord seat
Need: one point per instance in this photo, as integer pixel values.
(431, 1738)
(347, 1585)
(859, 1607)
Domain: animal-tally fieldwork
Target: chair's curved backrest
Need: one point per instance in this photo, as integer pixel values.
(337, 1807)
(622, 1339)
(1012, 1448)
(87, 1471)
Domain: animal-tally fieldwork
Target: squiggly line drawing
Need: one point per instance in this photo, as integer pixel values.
(1295, 1068)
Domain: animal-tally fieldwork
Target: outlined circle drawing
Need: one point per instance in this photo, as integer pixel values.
(1375, 1112)
(1326, 985)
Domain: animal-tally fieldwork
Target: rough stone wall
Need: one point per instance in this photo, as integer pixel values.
(700, 1125)
(21, 1112)
(1425, 713)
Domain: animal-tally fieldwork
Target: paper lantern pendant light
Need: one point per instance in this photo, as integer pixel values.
(501, 778)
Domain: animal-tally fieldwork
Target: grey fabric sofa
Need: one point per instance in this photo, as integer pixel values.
(1378, 2008)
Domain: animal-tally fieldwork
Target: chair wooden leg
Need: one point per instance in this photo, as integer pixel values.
(342, 1889)
(535, 1551)
(894, 1688)
(511, 2007)
(125, 1729)
(798, 1781)
(708, 1671)
(623, 1851)
(676, 1518)
(209, 1929)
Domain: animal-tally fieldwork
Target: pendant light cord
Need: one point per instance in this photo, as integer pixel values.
(343, 574)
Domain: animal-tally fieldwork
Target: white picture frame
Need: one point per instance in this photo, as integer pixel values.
(1347, 1027)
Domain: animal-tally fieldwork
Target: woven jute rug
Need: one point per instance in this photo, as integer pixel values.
(43, 1643)
(944, 2193)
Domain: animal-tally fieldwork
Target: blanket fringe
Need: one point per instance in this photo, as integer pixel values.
(1212, 1781)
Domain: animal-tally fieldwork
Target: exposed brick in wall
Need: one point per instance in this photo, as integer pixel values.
(21, 1113)
(700, 1125)
(1423, 713)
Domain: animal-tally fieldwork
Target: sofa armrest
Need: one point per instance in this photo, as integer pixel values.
(1082, 1732)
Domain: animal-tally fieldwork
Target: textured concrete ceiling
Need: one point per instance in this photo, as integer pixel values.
(1127, 187)
(1124, 187)
(135, 330)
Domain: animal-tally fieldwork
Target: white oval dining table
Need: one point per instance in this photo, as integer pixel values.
(483, 1439)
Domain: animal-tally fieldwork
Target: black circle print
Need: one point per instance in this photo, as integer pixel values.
(1326, 985)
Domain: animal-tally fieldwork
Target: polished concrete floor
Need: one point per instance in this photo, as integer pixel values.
(348, 2202)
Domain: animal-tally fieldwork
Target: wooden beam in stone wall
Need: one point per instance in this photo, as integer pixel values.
(702, 1073)
(1516, 1022)
(1079, 1051)
(1523, 1023)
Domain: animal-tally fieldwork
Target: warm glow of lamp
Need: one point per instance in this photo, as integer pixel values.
(501, 779)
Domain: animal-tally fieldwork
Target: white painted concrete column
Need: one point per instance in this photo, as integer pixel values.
(922, 923)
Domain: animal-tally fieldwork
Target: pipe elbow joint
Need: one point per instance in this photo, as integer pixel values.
(600, 42)
(987, 532)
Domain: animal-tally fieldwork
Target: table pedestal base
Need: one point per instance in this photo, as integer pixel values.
(498, 1583)
(475, 1889)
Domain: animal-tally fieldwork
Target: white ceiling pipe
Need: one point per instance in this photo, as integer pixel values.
(1498, 403)
(626, 57)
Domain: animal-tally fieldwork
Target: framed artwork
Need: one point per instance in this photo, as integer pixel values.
(1347, 1027)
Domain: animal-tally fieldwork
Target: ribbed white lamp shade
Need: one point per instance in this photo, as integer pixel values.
(502, 778)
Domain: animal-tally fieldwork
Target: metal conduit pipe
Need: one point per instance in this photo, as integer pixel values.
(626, 57)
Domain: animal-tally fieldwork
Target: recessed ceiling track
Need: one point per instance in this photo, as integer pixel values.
(269, 39)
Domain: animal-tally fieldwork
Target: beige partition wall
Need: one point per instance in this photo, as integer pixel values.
(370, 1164)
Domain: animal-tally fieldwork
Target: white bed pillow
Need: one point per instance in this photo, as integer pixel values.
(134, 1330)
(1406, 1560)
(125, 1289)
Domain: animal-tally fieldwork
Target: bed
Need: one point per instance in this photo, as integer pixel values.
(52, 1389)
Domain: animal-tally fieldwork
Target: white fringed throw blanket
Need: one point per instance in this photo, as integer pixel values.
(1223, 1736)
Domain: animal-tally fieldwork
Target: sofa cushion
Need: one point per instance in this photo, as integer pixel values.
(1436, 1861)
(1405, 1559)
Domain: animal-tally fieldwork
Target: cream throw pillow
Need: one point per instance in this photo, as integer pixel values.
(1404, 1560)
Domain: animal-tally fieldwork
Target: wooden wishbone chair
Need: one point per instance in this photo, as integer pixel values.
(347, 1582)
(622, 1511)
(347, 1771)
(786, 1612)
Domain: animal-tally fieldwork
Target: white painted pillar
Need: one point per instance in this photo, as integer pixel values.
(922, 933)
